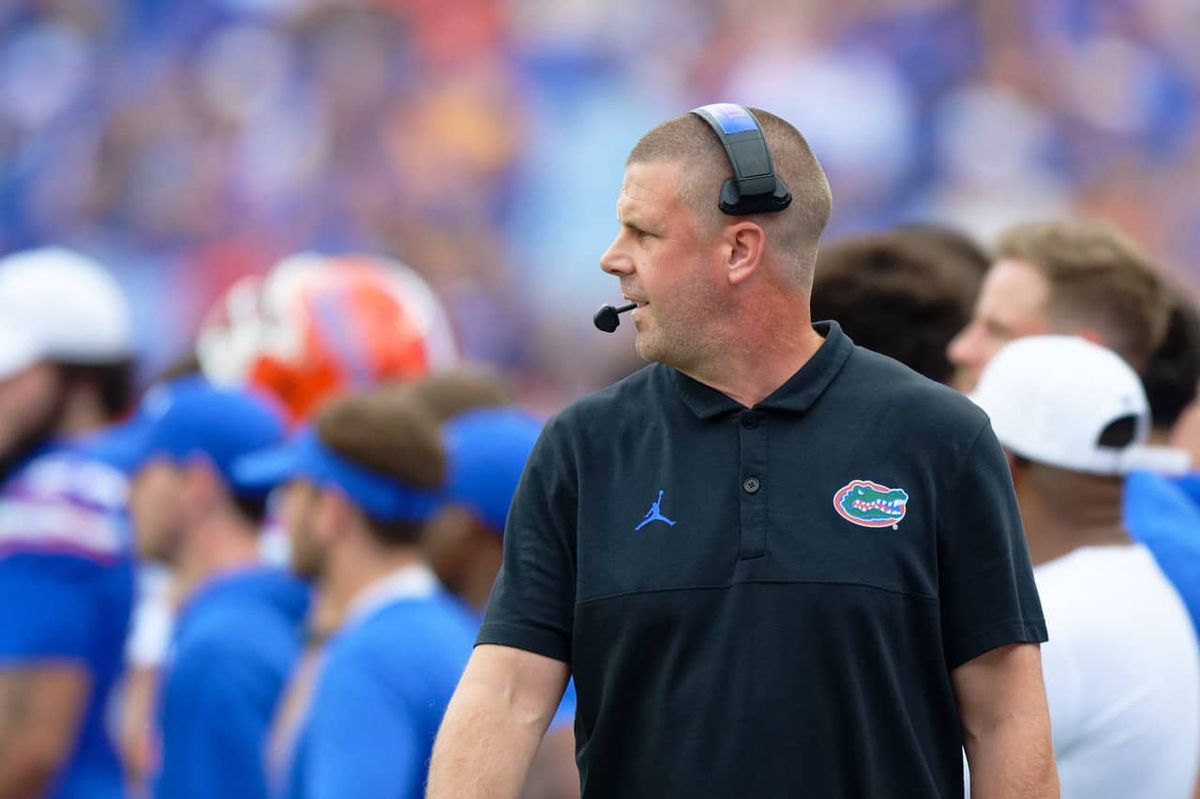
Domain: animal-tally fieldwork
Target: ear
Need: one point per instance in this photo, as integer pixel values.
(201, 486)
(331, 514)
(744, 244)
(1094, 336)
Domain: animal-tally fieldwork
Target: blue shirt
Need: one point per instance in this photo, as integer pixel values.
(66, 589)
(378, 702)
(1164, 514)
(234, 644)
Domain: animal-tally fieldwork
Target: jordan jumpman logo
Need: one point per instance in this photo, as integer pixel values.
(654, 514)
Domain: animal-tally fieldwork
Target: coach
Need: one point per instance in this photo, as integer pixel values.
(776, 564)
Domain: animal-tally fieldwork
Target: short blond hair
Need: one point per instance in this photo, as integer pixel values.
(1098, 278)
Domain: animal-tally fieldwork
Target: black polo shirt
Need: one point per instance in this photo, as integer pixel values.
(767, 602)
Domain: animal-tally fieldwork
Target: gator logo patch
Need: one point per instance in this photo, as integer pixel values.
(869, 504)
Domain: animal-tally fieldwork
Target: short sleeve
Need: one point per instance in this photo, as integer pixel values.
(364, 740)
(50, 614)
(533, 601)
(987, 593)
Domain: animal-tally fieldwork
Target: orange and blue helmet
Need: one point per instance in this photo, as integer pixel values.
(315, 326)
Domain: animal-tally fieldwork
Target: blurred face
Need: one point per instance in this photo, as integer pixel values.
(156, 506)
(668, 263)
(1012, 303)
(298, 511)
(27, 404)
(448, 540)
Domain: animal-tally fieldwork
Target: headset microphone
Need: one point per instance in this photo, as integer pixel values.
(608, 317)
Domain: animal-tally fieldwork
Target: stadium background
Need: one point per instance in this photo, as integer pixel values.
(186, 143)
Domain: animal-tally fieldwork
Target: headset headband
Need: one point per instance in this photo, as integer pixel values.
(754, 187)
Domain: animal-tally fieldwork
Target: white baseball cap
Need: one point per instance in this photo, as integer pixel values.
(17, 352)
(1051, 399)
(67, 305)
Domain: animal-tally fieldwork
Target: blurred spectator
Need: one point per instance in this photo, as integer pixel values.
(360, 484)
(903, 294)
(1122, 668)
(1071, 277)
(237, 631)
(66, 572)
(1162, 500)
(487, 445)
(192, 143)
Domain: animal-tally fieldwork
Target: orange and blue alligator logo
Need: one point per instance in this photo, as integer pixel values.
(870, 504)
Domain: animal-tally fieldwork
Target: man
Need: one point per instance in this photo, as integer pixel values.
(1122, 670)
(66, 577)
(841, 596)
(1070, 277)
(237, 629)
(900, 293)
(360, 483)
(1162, 505)
(487, 449)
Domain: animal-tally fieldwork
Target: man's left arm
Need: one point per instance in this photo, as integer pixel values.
(1006, 724)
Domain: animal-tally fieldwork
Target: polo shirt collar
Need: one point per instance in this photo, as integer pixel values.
(797, 394)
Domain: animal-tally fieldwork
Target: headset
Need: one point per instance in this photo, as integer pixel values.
(754, 187)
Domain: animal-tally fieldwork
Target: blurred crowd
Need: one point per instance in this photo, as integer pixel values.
(190, 143)
(301, 457)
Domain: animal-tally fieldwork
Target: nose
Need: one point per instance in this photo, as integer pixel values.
(615, 260)
(963, 349)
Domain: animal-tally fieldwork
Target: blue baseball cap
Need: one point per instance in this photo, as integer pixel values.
(191, 417)
(306, 457)
(488, 449)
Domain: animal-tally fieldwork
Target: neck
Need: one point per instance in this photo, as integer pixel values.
(769, 339)
(213, 547)
(1058, 523)
(357, 563)
(481, 575)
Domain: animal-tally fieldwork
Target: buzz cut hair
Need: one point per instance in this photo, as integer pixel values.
(688, 140)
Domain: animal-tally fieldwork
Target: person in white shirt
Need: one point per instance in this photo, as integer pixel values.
(1121, 669)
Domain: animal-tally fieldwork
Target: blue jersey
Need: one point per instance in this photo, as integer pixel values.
(379, 700)
(66, 587)
(1164, 514)
(234, 644)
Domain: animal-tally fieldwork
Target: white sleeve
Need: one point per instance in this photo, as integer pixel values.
(153, 620)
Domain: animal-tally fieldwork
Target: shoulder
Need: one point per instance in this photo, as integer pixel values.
(426, 630)
(64, 503)
(599, 409)
(906, 411)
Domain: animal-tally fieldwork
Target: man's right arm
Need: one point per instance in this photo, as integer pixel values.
(494, 724)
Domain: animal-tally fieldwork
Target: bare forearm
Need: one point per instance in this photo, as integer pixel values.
(1013, 760)
(484, 747)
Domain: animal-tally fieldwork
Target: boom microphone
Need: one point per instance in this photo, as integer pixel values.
(608, 317)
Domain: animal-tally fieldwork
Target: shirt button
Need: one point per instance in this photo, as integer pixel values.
(750, 485)
(749, 420)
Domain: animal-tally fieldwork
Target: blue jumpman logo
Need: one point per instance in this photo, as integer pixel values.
(654, 514)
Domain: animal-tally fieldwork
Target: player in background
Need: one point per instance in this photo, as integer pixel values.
(487, 442)
(1070, 277)
(238, 625)
(1122, 669)
(904, 293)
(1162, 505)
(66, 571)
(360, 484)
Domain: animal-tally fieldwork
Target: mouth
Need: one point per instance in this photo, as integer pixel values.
(637, 302)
